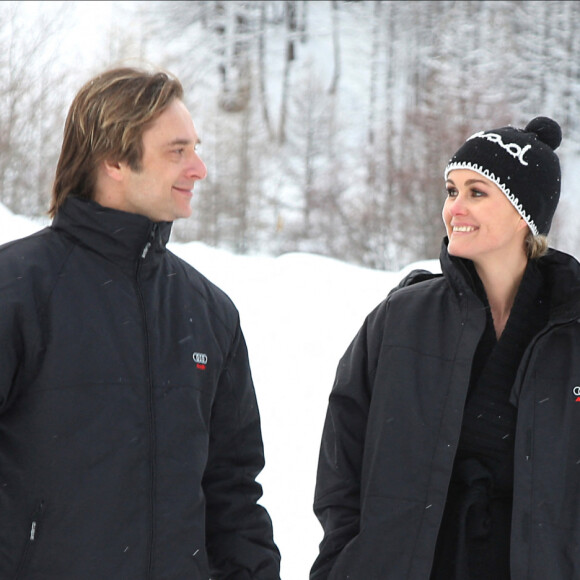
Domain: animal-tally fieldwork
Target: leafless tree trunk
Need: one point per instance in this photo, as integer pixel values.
(336, 48)
(262, 70)
(290, 21)
(31, 112)
(243, 193)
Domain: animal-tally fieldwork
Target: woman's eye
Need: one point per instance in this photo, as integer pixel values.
(451, 192)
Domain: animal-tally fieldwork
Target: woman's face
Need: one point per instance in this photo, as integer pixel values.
(481, 222)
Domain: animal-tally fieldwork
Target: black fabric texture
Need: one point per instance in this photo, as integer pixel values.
(130, 436)
(474, 538)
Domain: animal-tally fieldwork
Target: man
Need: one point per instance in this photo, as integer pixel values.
(130, 438)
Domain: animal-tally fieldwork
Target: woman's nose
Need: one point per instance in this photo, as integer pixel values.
(457, 205)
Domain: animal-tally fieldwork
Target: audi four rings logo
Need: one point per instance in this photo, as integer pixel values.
(201, 358)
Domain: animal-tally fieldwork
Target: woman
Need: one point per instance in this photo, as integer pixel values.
(451, 448)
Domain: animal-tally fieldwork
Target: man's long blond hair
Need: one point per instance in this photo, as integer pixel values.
(106, 121)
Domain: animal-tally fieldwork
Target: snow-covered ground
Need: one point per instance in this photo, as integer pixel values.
(299, 312)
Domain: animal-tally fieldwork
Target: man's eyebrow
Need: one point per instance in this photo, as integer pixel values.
(184, 142)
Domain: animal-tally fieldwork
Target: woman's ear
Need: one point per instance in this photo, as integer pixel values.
(522, 224)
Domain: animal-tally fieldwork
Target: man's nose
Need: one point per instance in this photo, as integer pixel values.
(197, 169)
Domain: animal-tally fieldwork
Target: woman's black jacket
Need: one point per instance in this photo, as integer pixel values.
(393, 424)
(129, 431)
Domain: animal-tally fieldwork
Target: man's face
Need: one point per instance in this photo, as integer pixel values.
(162, 189)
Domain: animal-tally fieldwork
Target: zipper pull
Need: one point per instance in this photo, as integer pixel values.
(148, 244)
(35, 519)
(145, 250)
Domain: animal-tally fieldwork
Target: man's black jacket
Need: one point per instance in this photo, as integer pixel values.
(129, 432)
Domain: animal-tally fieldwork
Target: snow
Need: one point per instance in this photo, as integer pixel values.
(299, 312)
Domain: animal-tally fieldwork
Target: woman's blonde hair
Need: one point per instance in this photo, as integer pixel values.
(536, 246)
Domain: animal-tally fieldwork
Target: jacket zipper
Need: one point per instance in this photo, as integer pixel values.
(150, 402)
(148, 245)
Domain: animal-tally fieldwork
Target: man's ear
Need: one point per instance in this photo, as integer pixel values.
(113, 169)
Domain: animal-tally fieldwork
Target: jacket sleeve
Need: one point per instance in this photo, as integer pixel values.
(338, 482)
(239, 532)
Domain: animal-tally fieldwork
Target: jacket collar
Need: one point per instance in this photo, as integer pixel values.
(119, 236)
(561, 273)
(457, 271)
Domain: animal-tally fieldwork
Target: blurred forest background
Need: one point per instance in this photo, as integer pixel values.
(326, 125)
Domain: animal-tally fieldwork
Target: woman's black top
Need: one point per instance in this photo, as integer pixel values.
(474, 538)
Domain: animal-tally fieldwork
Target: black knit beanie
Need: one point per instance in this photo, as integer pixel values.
(522, 163)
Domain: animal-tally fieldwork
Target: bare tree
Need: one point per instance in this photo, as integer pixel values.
(31, 112)
(262, 69)
(282, 173)
(336, 48)
(291, 26)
